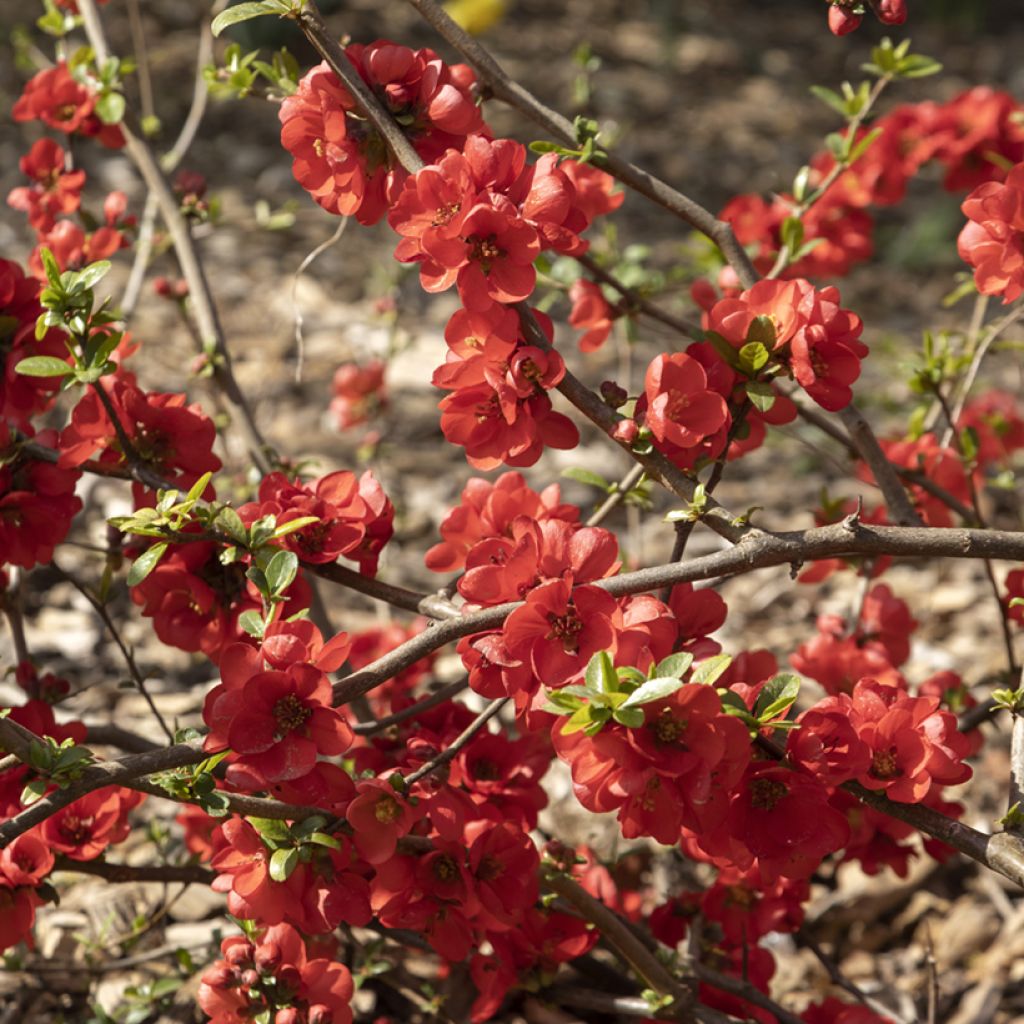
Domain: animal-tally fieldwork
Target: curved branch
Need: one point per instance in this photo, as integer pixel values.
(96, 776)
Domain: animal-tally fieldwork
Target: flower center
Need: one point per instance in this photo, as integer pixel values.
(290, 713)
(386, 810)
(884, 766)
(667, 729)
(484, 251)
(766, 793)
(566, 629)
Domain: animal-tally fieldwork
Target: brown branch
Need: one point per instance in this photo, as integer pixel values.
(240, 803)
(191, 266)
(636, 301)
(500, 85)
(138, 873)
(432, 605)
(759, 550)
(446, 693)
(96, 776)
(620, 937)
(901, 507)
(744, 989)
(460, 741)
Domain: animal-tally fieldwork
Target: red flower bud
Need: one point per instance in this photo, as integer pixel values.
(625, 431)
(842, 21)
(239, 955)
(891, 12)
(250, 978)
(289, 1015)
(268, 958)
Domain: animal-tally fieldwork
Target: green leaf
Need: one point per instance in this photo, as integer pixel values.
(710, 669)
(762, 395)
(283, 863)
(631, 718)
(323, 839)
(586, 476)
(723, 348)
(271, 828)
(91, 275)
(832, 99)
(600, 676)
(675, 665)
(252, 622)
(580, 720)
(110, 108)
(864, 145)
(777, 696)
(654, 689)
(761, 332)
(292, 526)
(753, 356)
(792, 233)
(146, 563)
(52, 270)
(281, 571)
(242, 12)
(231, 523)
(43, 366)
(33, 791)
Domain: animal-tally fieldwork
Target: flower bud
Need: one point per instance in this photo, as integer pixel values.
(289, 1015)
(220, 976)
(268, 958)
(320, 1014)
(626, 431)
(250, 978)
(842, 21)
(613, 394)
(891, 12)
(239, 954)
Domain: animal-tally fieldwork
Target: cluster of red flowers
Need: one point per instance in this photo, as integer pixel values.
(55, 189)
(358, 392)
(477, 217)
(993, 240)
(340, 159)
(976, 137)
(275, 974)
(845, 16)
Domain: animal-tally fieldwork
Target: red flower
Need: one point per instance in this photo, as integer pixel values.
(380, 817)
(85, 828)
(993, 240)
(488, 510)
(681, 410)
(174, 439)
(342, 161)
(559, 628)
(55, 98)
(53, 191)
(37, 503)
(842, 20)
(278, 721)
(591, 312)
(358, 393)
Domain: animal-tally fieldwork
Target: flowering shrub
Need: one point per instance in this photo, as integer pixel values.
(344, 809)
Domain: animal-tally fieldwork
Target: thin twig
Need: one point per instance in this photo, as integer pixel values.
(500, 85)
(191, 267)
(446, 693)
(129, 658)
(636, 301)
(621, 489)
(460, 741)
(621, 938)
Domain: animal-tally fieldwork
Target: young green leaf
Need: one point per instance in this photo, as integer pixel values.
(710, 669)
(283, 863)
(146, 563)
(43, 366)
(654, 689)
(281, 572)
(777, 696)
(676, 665)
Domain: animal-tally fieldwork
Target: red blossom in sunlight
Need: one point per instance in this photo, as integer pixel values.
(590, 313)
(85, 828)
(681, 410)
(53, 190)
(37, 502)
(993, 240)
(379, 817)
